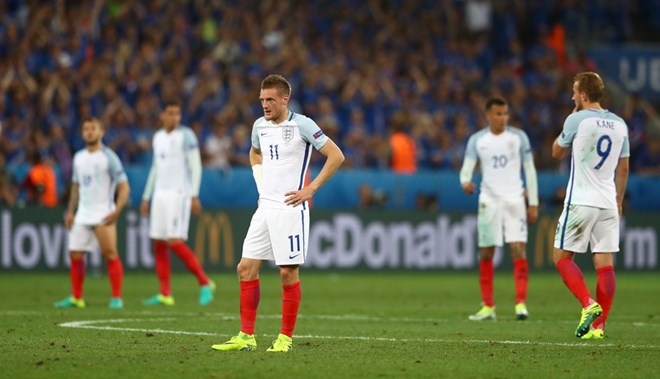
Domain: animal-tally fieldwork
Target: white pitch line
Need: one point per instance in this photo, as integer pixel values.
(92, 324)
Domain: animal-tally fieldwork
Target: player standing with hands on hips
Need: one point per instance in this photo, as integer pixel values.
(97, 173)
(501, 150)
(600, 151)
(282, 144)
(174, 179)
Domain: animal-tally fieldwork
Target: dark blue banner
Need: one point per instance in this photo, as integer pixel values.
(636, 69)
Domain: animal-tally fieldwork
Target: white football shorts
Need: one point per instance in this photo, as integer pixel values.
(170, 216)
(280, 235)
(580, 226)
(502, 220)
(82, 238)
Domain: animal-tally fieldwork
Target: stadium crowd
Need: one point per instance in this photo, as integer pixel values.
(398, 84)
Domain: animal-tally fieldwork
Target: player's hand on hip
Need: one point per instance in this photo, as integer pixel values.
(532, 214)
(68, 220)
(144, 208)
(295, 198)
(111, 218)
(195, 206)
(468, 188)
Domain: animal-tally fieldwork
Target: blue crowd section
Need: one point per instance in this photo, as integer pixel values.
(236, 189)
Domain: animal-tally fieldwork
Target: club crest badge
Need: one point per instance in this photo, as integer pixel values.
(287, 133)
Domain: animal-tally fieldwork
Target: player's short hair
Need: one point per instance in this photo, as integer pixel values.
(94, 120)
(591, 84)
(278, 82)
(171, 103)
(495, 101)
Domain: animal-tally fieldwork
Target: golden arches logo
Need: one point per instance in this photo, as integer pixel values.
(217, 228)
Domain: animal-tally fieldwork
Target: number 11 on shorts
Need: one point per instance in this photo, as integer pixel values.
(295, 246)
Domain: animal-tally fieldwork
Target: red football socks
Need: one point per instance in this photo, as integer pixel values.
(605, 293)
(163, 266)
(574, 280)
(250, 295)
(290, 303)
(116, 274)
(77, 276)
(189, 259)
(521, 276)
(486, 272)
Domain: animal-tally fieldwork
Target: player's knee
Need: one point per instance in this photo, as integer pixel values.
(289, 274)
(110, 254)
(76, 255)
(518, 251)
(174, 241)
(558, 255)
(486, 254)
(245, 271)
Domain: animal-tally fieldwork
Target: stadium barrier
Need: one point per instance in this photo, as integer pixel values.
(218, 188)
(35, 239)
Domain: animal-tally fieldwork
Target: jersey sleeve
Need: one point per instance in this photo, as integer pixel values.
(471, 148)
(74, 175)
(312, 133)
(625, 149)
(115, 167)
(189, 140)
(525, 148)
(568, 132)
(255, 136)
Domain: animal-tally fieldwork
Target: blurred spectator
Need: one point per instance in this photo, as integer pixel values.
(240, 146)
(370, 198)
(41, 184)
(8, 188)
(217, 149)
(61, 151)
(426, 202)
(647, 158)
(637, 113)
(403, 151)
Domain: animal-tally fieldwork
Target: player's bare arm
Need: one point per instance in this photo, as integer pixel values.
(148, 189)
(620, 181)
(334, 160)
(469, 187)
(144, 208)
(255, 156)
(558, 152)
(73, 204)
(256, 159)
(195, 205)
(467, 169)
(123, 190)
(532, 214)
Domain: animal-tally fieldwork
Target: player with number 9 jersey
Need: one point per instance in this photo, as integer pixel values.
(600, 151)
(598, 139)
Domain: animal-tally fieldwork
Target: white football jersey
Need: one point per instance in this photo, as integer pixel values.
(501, 157)
(286, 149)
(598, 138)
(97, 175)
(173, 172)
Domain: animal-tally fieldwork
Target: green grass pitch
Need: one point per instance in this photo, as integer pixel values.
(351, 325)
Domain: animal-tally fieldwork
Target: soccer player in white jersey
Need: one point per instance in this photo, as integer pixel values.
(502, 151)
(282, 144)
(97, 174)
(598, 140)
(174, 180)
